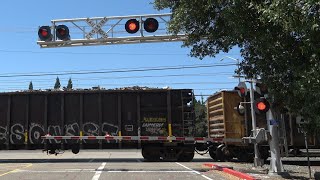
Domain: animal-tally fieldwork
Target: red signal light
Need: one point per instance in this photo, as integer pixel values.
(241, 91)
(261, 105)
(62, 32)
(132, 26)
(44, 33)
(151, 25)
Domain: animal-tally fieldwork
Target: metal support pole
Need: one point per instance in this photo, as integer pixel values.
(246, 117)
(238, 64)
(257, 160)
(306, 143)
(275, 161)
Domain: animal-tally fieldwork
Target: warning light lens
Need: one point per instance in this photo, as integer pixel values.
(151, 25)
(261, 106)
(242, 90)
(62, 32)
(44, 33)
(132, 26)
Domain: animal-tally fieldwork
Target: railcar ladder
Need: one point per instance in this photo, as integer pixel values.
(188, 116)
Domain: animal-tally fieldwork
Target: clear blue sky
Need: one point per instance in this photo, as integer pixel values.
(20, 54)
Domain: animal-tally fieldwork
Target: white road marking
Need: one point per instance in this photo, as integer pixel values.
(99, 171)
(93, 170)
(138, 160)
(149, 171)
(91, 160)
(194, 171)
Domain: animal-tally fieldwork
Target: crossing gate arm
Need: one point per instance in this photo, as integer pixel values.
(136, 138)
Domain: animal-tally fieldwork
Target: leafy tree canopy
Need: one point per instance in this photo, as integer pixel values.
(201, 129)
(279, 42)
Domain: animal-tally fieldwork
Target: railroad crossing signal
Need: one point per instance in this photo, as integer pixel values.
(261, 105)
(62, 32)
(44, 33)
(132, 26)
(151, 25)
(261, 88)
(107, 31)
(242, 89)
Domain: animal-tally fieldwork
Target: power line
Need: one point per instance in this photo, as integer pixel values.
(116, 71)
(117, 77)
(95, 53)
(89, 70)
(90, 53)
(141, 83)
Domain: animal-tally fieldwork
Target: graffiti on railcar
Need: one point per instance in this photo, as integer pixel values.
(154, 123)
(17, 132)
(110, 129)
(3, 134)
(35, 133)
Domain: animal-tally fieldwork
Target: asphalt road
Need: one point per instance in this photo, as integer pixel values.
(96, 164)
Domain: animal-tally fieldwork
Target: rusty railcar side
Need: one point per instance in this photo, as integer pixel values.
(26, 116)
(223, 120)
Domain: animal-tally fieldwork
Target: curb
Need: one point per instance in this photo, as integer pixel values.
(230, 171)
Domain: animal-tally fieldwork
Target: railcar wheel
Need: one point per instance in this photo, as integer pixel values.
(75, 148)
(227, 154)
(212, 153)
(219, 153)
(186, 156)
(150, 155)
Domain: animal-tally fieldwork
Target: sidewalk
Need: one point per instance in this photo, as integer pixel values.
(294, 168)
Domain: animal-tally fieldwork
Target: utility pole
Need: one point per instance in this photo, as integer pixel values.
(238, 65)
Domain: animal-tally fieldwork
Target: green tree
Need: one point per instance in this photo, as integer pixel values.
(200, 118)
(279, 42)
(69, 86)
(30, 86)
(57, 85)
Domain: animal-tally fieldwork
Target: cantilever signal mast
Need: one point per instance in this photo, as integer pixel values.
(111, 30)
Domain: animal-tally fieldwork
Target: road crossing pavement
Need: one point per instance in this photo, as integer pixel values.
(100, 164)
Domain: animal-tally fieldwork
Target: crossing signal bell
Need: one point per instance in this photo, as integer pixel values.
(261, 105)
(44, 33)
(241, 109)
(242, 89)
